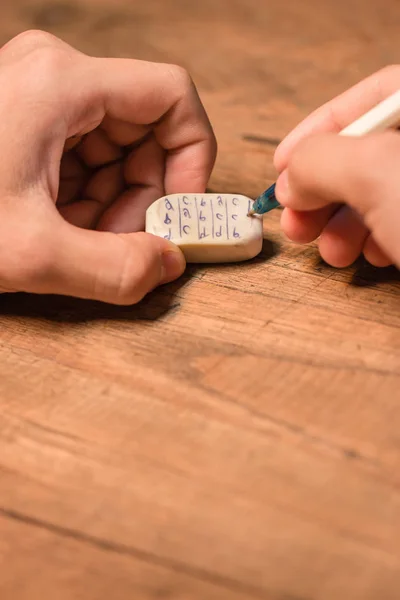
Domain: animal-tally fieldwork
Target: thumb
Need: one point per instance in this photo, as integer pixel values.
(360, 172)
(113, 268)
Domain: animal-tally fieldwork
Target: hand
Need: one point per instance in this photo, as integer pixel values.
(346, 191)
(86, 145)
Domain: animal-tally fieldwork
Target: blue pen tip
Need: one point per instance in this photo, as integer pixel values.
(266, 202)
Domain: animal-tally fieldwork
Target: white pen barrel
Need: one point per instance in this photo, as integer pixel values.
(383, 116)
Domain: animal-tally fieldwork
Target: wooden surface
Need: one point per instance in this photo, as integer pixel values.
(237, 435)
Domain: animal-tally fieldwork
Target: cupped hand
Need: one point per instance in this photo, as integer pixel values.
(87, 144)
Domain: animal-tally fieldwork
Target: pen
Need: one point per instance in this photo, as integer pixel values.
(383, 116)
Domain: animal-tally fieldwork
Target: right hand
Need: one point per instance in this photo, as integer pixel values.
(344, 191)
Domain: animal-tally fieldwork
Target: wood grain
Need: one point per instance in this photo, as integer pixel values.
(236, 435)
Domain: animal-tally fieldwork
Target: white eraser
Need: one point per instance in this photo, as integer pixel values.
(209, 228)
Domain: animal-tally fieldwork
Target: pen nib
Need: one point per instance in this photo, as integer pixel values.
(266, 202)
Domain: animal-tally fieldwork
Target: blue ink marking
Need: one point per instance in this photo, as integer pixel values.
(219, 216)
(202, 217)
(220, 201)
(212, 217)
(168, 236)
(180, 218)
(185, 227)
(198, 222)
(167, 220)
(234, 217)
(168, 204)
(204, 234)
(219, 233)
(185, 200)
(233, 201)
(203, 202)
(249, 207)
(235, 233)
(227, 217)
(186, 213)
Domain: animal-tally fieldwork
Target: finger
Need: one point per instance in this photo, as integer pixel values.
(103, 188)
(374, 255)
(304, 227)
(96, 149)
(144, 172)
(72, 142)
(27, 42)
(359, 172)
(122, 133)
(164, 96)
(342, 240)
(118, 269)
(153, 96)
(343, 110)
(69, 191)
(128, 213)
(83, 213)
(72, 178)
(106, 185)
(71, 167)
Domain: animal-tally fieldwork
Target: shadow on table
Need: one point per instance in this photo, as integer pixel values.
(363, 274)
(366, 275)
(161, 302)
(64, 309)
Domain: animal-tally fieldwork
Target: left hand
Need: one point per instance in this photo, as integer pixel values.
(86, 145)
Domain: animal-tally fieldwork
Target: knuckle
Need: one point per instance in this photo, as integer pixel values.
(181, 78)
(35, 38)
(42, 73)
(138, 268)
(39, 58)
(46, 59)
(130, 288)
(34, 63)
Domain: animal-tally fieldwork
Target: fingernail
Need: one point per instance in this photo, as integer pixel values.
(173, 263)
(282, 189)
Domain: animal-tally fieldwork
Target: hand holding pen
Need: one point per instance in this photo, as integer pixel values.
(344, 190)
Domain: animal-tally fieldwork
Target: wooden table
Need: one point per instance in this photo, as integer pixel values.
(236, 435)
